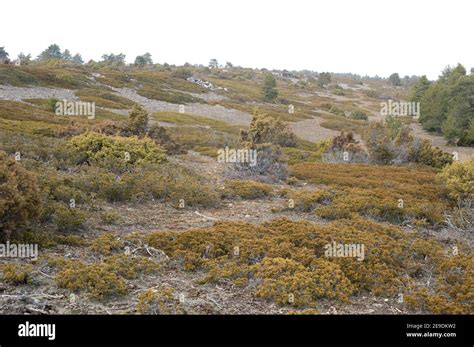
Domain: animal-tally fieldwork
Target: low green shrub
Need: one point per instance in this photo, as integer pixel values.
(247, 189)
(360, 115)
(116, 153)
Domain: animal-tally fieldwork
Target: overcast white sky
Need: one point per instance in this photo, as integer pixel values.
(411, 37)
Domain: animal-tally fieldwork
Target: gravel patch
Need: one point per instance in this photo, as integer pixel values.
(311, 130)
(231, 116)
(21, 93)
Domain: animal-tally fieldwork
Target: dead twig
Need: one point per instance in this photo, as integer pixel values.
(203, 216)
(45, 275)
(37, 310)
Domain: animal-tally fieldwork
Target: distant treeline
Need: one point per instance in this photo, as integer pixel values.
(447, 104)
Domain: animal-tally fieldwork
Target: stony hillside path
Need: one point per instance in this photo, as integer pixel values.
(308, 129)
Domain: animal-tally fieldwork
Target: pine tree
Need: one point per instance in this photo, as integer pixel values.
(419, 89)
(3, 54)
(52, 52)
(143, 60)
(78, 59)
(269, 88)
(394, 79)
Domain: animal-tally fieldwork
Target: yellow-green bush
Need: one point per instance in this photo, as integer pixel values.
(105, 185)
(137, 120)
(62, 201)
(289, 282)
(96, 279)
(49, 239)
(265, 129)
(66, 218)
(306, 200)
(106, 244)
(102, 280)
(110, 217)
(167, 181)
(296, 155)
(16, 274)
(193, 192)
(162, 301)
(130, 267)
(115, 152)
(19, 196)
(247, 189)
(424, 153)
(459, 180)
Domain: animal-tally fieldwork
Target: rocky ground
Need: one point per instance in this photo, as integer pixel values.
(308, 129)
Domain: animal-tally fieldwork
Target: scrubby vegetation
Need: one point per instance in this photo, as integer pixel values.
(393, 194)
(19, 196)
(248, 189)
(393, 143)
(104, 279)
(116, 153)
(107, 199)
(264, 129)
(266, 136)
(286, 262)
(359, 115)
(16, 274)
(138, 121)
(345, 148)
(161, 301)
(458, 179)
(95, 279)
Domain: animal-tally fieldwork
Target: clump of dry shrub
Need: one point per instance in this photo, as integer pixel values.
(96, 279)
(393, 143)
(266, 129)
(393, 194)
(162, 301)
(345, 148)
(106, 244)
(247, 189)
(306, 200)
(285, 261)
(19, 196)
(266, 135)
(103, 280)
(16, 273)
